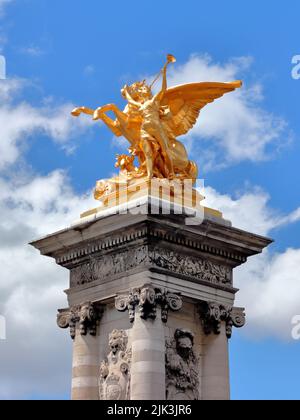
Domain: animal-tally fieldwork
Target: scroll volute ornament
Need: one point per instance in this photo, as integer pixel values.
(212, 315)
(145, 301)
(86, 315)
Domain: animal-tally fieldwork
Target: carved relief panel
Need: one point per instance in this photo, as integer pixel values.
(182, 374)
(114, 381)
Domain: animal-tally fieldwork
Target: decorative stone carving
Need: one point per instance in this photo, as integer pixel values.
(182, 374)
(114, 381)
(212, 314)
(192, 267)
(161, 258)
(87, 315)
(145, 301)
(108, 266)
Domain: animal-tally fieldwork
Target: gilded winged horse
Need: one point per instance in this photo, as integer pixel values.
(152, 123)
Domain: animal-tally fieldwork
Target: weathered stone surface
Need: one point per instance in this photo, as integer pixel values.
(164, 273)
(212, 314)
(146, 299)
(114, 381)
(86, 315)
(182, 369)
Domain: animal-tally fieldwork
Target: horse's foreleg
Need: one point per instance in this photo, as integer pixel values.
(110, 107)
(82, 110)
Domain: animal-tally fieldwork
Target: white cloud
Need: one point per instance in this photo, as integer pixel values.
(269, 284)
(31, 286)
(249, 211)
(31, 289)
(236, 127)
(270, 289)
(18, 121)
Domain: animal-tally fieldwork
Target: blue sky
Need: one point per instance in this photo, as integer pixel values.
(65, 53)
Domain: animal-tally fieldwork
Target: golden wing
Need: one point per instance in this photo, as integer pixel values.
(186, 101)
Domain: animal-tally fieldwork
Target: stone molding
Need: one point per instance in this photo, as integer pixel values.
(87, 315)
(153, 258)
(213, 314)
(145, 233)
(145, 301)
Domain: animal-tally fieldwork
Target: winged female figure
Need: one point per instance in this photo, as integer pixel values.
(152, 123)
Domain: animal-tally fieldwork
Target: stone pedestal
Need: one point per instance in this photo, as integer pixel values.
(151, 303)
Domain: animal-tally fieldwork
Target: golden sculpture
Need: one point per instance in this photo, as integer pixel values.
(151, 124)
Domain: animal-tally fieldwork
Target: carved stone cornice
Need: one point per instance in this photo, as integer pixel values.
(148, 234)
(86, 315)
(213, 314)
(145, 300)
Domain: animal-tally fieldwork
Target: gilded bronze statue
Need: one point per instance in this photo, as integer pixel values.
(151, 124)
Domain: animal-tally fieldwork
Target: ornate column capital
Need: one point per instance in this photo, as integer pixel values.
(87, 315)
(212, 314)
(145, 301)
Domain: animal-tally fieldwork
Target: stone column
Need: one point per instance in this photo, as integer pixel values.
(148, 311)
(148, 360)
(83, 321)
(217, 321)
(215, 367)
(85, 375)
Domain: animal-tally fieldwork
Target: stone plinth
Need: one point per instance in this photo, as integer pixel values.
(151, 303)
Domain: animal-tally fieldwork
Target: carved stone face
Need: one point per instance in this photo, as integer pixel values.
(184, 347)
(115, 346)
(147, 295)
